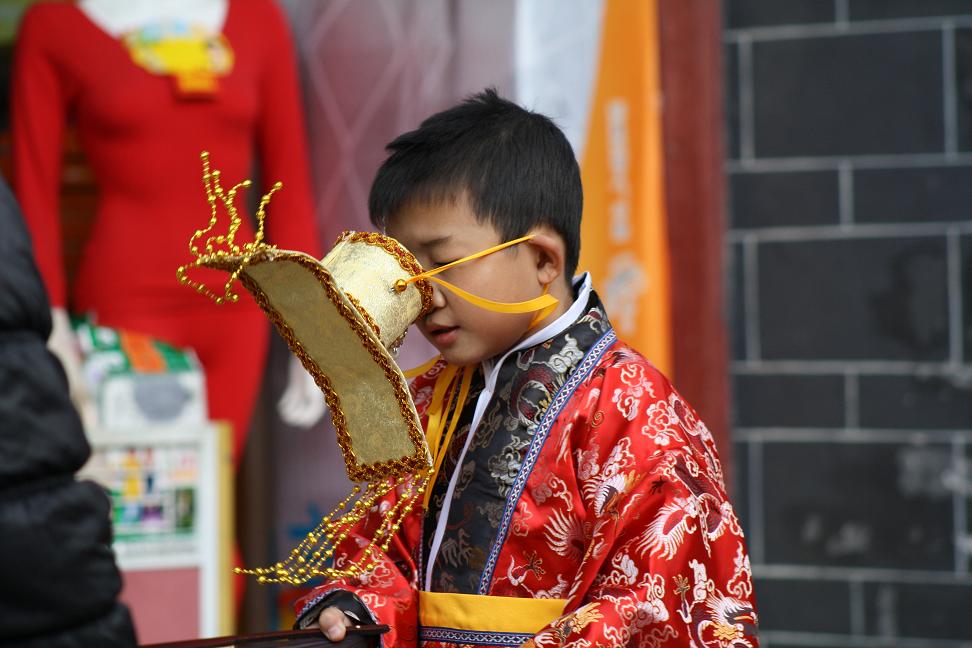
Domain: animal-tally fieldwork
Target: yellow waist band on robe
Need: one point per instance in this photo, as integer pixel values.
(476, 612)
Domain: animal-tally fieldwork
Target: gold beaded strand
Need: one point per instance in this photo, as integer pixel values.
(307, 559)
(222, 249)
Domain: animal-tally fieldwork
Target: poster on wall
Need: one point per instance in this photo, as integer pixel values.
(171, 492)
(154, 493)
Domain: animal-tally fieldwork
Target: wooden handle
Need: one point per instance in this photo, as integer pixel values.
(284, 638)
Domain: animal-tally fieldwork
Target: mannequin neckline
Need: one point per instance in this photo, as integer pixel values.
(118, 17)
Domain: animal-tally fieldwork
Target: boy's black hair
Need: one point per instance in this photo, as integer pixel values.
(515, 166)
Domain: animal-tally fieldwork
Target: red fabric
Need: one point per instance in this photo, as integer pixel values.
(624, 515)
(143, 144)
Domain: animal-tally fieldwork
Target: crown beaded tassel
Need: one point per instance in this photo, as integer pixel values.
(343, 318)
(222, 247)
(308, 559)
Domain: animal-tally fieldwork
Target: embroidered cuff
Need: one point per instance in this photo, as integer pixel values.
(348, 602)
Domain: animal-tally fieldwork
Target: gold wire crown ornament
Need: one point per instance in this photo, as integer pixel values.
(343, 317)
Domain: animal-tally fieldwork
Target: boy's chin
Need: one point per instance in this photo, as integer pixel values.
(468, 349)
(470, 354)
(463, 355)
(460, 359)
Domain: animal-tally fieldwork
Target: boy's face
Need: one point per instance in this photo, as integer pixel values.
(465, 334)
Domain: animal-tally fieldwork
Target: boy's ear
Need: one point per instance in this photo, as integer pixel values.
(550, 254)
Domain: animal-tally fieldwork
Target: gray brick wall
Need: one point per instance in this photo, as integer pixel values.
(849, 143)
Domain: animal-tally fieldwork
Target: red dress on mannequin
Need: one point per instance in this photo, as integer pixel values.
(143, 143)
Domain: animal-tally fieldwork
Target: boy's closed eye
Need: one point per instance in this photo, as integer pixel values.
(439, 264)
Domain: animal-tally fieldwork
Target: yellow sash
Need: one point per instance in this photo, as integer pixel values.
(480, 613)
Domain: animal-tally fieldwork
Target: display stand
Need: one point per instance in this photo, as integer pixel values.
(171, 491)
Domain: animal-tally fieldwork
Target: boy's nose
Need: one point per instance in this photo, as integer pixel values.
(438, 296)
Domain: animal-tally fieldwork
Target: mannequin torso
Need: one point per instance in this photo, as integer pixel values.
(142, 138)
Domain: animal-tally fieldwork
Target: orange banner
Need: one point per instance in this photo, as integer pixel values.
(624, 235)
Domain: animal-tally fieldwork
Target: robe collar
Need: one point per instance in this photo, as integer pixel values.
(582, 289)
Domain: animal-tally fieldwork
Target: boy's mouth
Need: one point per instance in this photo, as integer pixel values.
(443, 335)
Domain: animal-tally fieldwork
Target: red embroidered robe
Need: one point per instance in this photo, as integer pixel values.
(615, 502)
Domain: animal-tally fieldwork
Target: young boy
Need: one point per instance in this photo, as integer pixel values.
(580, 502)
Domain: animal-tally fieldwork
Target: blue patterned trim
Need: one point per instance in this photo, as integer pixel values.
(473, 637)
(317, 599)
(560, 400)
(419, 559)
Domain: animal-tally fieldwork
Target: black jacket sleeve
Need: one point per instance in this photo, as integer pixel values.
(60, 582)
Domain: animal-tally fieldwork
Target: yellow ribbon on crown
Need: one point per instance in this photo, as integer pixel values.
(542, 305)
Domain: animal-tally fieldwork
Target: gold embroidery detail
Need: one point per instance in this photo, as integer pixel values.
(577, 620)
(398, 342)
(406, 260)
(364, 314)
(681, 584)
(725, 632)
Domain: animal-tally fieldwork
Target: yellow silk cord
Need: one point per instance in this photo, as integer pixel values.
(471, 257)
(541, 314)
(438, 404)
(421, 369)
(542, 305)
(438, 416)
(444, 413)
